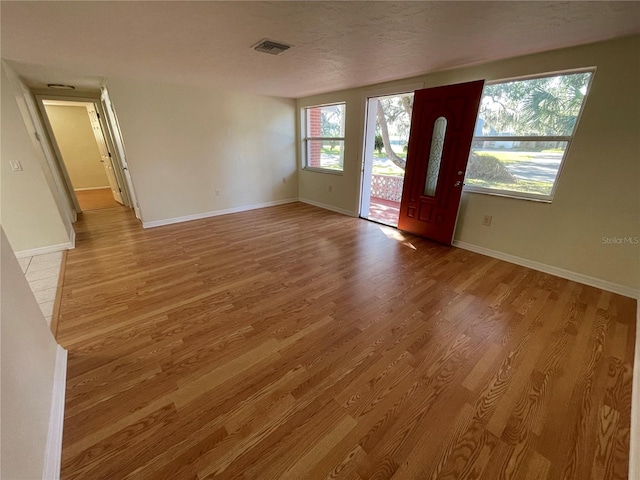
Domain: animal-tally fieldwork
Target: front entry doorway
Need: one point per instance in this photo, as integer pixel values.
(443, 122)
(416, 151)
(388, 127)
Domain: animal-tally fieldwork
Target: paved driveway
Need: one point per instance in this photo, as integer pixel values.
(535, 166)
(543, 169)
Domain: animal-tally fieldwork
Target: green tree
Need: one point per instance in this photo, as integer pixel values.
(541, 106)
(396, 110)
(332, 123)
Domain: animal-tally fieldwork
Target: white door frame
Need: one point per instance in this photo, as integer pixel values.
(61, 167)
(370, 112)
(115, 136)
(95, 100)
(367, 161)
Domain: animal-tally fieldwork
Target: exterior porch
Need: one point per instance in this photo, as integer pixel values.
(384, 211)
(384, 204)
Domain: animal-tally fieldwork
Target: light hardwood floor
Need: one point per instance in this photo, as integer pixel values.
(296, 343)
(96, 199)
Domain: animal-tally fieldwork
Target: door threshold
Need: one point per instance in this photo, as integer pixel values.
(380, 223)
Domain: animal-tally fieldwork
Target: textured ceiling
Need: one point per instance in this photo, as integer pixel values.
(336, 44)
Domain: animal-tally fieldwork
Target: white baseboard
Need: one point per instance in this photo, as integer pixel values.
(328, 207)
(215, 213)
(91, 188)
(558, 272)
(53, 452)
(48, 249)
(634, 434)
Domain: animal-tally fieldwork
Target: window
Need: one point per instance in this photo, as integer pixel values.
(324, 137)
(522, 135)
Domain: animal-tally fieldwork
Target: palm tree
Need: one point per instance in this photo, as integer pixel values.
(553, 109)
(542, 106)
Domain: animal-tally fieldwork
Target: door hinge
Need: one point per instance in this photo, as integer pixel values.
(109, 154)
(97, 115)
(37, 136)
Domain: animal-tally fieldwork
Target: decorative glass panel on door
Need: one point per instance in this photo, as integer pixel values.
(435, 156)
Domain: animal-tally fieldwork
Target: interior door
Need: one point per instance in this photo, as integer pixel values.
(113, 129)
(442, 127)
(105, 156)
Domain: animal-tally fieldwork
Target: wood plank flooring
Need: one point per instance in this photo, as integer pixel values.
(296, 343)
(96, 199)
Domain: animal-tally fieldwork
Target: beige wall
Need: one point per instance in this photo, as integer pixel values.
(74, 135)
(27, 359)
(184, 143)
(598, 194)
(29, 214)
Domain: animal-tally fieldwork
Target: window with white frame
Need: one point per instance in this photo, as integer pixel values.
(323, 141)
(523, 133)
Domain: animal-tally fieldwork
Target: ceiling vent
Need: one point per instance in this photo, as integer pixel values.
(271, 47)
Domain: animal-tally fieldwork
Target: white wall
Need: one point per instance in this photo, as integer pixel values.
(77, 144)
(598, 193)
(28, 360)
(29, 213)
(184, 143)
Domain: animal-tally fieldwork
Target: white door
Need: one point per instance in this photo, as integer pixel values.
(116, 139)
(105, 156)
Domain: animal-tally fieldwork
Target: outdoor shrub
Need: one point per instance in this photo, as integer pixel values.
(489, 168)
(378, 143)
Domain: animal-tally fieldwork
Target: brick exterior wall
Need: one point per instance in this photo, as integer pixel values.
(314, 129)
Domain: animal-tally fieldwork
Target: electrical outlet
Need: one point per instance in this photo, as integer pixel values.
(330, 188)
(486, 220)
(16, 166)
(217, 192)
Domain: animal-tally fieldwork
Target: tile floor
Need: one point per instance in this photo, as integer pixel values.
(42, 272)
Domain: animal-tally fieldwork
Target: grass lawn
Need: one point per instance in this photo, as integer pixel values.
(526, 186)
(327, 150)
(388, 170)
(510, 156)
(333, 155)
(384, 155)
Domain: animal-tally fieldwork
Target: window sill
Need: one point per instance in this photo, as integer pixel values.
(509, 194)
(323, 170)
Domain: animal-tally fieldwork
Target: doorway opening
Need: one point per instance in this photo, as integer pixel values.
(89, 156)
(388, 124)
(415, 156)
(75, 127)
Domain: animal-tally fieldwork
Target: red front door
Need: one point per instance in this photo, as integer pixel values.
(442, 127)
